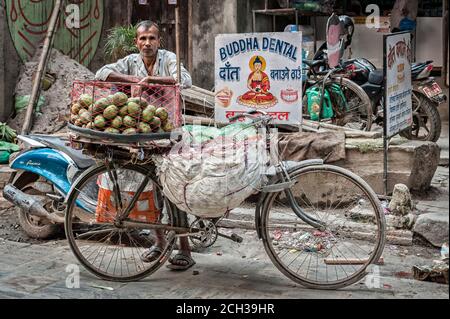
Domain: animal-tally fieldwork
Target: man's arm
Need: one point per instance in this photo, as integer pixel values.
(117, 72)
(186, 80)
(118, 77)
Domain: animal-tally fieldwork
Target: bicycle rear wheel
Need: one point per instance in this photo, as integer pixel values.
(354, 228)
(105, 248)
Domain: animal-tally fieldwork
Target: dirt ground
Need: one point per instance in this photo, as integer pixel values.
(52, 118)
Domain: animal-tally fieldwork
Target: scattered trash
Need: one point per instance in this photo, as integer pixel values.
(444, 251)
(380, 261)
(245, 276)
(195, 272)
(387, 286)
(304, 237)
(321, 234)
(219, 253)
(386, 209)
(437, 273)
(244, 256)
(277, 235)
(403, 275)
(102, 287)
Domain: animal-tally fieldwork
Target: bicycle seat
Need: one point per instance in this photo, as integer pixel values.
(78, 157)
(376, 77)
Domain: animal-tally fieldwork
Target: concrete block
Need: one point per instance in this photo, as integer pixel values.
(433, 227)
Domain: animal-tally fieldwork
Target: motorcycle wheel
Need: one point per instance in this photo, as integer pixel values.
(426, 120)
(36, 227)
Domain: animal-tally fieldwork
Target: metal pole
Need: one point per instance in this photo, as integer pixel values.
(190, 37)
(177, 40)
(36, 89)
(385, 138)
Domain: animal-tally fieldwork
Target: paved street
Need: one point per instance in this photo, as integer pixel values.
(34, 269)
(226, 270)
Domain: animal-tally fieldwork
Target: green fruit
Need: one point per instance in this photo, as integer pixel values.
(123, 111)
(90, 125)
(76, 107)
(110, 99)
(152, 108)
(112, 130)
(85, 100)
(134, 109)
(99, 121)
(81, 111)
(117, 122)
(110, 112)
(130, 131)
(162, 114)
(141, 101)
(144, 128)
(73, 118)
(101, 105)
(155, 122)
(148, 114)
(120, 99)
(168, 127)
(86, 117)
(128, 121)
(78, 123)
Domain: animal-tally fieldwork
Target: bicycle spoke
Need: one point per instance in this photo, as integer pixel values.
(106, 247)
(339, 203)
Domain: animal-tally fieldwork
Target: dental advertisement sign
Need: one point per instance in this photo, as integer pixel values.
(260, 71)
(398, 101)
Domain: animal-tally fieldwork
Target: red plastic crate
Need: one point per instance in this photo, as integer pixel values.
(105, 94)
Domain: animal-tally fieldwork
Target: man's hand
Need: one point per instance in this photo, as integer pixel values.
(158, 80)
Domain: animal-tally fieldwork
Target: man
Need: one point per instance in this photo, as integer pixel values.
(151, 65)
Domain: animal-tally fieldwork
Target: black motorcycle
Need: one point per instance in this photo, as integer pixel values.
(426, 97)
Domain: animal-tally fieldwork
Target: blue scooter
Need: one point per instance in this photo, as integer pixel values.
(44, 172)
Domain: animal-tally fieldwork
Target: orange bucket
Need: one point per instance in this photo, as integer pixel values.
(143, 211)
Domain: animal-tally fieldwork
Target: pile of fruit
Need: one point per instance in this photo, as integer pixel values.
(119, 114)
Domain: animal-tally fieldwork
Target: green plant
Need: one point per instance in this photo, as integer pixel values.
(120, 42)
(7, 134)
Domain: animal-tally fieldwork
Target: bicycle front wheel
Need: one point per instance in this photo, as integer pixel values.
(108, 249)
(352, 236)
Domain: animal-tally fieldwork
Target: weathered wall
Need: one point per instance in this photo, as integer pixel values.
(115, 14)
(210, 17)
(9, 67)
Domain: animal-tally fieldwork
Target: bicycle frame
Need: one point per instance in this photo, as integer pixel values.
(280, 182)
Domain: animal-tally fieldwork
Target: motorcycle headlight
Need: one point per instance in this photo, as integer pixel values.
(71, 173)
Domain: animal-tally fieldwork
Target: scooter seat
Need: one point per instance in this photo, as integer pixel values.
(81, 160)
(376, 77)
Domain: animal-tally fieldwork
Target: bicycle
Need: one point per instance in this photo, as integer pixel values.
(355, 111)
(304, 226)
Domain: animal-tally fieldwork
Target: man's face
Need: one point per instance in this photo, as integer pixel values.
(148, 41)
